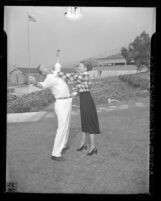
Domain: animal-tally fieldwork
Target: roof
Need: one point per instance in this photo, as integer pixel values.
(115, 56)
(28, 70)
(34, 70)
(25, 70)
(64, 69)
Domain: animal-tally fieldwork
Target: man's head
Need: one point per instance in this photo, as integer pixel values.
(85, 66)
(43, 70)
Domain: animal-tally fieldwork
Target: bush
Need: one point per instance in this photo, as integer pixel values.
(11, 97)
(102, 89)
(30, 102)
(10, 90)
(140, 80)
(114, 88)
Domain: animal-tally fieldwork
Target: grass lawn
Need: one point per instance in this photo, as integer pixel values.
(121, 165)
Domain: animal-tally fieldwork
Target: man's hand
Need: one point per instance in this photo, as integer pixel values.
(32, 80)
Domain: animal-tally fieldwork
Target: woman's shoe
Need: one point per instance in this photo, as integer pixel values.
(94, 151)
(82, 147)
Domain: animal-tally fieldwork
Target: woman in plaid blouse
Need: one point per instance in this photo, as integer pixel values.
(89, 118)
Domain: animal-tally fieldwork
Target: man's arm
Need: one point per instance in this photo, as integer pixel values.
(39, 85)
(45, 84)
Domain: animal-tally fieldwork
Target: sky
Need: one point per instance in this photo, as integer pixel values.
(101, 31)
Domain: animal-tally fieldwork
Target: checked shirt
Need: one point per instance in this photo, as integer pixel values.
(81, 80)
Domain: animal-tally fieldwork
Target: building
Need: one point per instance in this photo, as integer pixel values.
(19, 76)
(112, 60)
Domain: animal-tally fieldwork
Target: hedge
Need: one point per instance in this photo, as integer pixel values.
(102, 89)
(140, 80)
(11, 97)
(10, 90)
(34, 101)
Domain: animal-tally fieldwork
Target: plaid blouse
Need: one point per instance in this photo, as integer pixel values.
(82, 80)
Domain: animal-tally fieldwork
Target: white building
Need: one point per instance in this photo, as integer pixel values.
(112, 60)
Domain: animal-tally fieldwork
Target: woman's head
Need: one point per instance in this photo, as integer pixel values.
(85, 66)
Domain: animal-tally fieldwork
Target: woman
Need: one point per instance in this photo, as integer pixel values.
(89, 118)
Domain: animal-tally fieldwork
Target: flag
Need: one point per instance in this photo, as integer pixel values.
(31, 18)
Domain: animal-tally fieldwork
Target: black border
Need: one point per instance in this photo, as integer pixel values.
(3, 94)
(88, 3)
(154, 149)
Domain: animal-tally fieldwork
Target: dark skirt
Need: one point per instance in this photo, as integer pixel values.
(89, 118)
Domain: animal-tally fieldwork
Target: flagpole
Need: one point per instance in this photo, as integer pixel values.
(28, 42)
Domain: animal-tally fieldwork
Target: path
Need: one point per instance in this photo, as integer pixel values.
(36, 116)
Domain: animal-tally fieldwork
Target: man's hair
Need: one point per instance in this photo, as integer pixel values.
(38, 69)
(87, 64)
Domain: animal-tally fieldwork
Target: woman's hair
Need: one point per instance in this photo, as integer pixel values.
(88, 64)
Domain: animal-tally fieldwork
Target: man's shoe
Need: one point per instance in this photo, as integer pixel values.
(57, 158)
(65, 149)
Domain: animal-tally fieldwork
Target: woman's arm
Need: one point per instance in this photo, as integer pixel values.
(70, 76)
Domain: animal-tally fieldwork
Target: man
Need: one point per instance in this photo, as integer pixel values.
(63, 106)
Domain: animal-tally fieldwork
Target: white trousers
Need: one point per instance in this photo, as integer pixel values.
(63, 108)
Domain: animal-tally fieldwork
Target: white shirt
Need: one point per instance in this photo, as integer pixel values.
(57, 85)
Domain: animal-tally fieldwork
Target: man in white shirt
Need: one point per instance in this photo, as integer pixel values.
(63, 107)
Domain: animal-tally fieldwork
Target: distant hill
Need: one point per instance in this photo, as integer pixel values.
(68, 70)
(108, 53)
(114, 56)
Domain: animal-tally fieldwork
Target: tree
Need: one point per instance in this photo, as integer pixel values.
(93, 61)
(125, 54)
(139, 51)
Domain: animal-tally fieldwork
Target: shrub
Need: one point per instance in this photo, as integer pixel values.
(115, 89)
(28, 102)
(11, 97)
(140, 80)
(10, 90)
(102, 89)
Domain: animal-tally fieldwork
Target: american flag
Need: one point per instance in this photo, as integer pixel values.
(31, 18)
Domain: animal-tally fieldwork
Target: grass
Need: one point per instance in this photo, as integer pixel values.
(120, 167)
(140, 80)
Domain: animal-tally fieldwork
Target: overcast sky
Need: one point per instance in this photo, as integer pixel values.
(99, 30)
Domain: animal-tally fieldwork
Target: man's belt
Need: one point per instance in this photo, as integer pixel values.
(65, 97)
